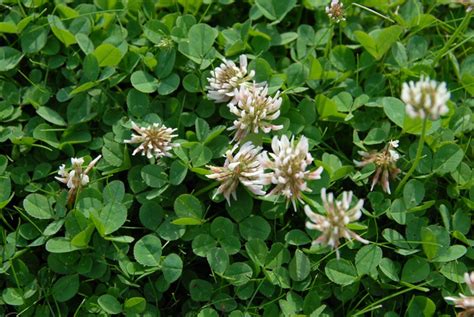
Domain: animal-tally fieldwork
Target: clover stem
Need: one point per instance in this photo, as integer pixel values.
(207, 188)
(417, 160)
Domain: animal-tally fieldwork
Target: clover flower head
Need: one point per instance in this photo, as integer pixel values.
(385, 163)
(288, 164)
(425, 98)
(244, 167)
(226, 78)
(155, 140)
(76, 177)
(333, 225)
(463, 301)
(255, 110)
(469, 4)
(335, 11)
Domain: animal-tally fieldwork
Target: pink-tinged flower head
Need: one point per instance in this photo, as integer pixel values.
(244, 167)
(425, 98)
(385, 164)
(463, 301)
(288, 164)
(335, 11)
(254, 110)
(155, 140)
(333, 225)
(226, 78)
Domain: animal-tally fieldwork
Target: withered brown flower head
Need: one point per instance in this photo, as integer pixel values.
(385, 162)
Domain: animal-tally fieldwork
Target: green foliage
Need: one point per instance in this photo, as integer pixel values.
(154, 236)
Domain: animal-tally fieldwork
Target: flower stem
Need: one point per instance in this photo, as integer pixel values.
(206, 189)
(417, 160)
(373, 12)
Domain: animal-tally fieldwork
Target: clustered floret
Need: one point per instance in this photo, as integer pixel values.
(254, 110)
(463, 301)
(75, 177)
(335, 11)
(226, 78)
(248, 101)
(385, 164)
(155, 140)
(288, 164)
(426, 98)
(244, 167)
(333, 225)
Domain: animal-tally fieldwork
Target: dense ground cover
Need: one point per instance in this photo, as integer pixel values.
(264, 125)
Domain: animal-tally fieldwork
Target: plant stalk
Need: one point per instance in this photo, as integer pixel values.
(417, 160)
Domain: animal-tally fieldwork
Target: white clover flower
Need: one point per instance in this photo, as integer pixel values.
(76, 177)
(469, 4)
(77, 161)
(62, 171)
(425, 98)
(244, 167)
(394, 143)
(288, 168)
(335, 11)
(333, 225)
(254, 109)
(155, 140)
(463, 301)
(226, 78)
(469, 279)
(385, 163)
